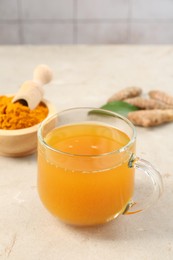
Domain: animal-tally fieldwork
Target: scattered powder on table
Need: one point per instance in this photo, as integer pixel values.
(17, 116)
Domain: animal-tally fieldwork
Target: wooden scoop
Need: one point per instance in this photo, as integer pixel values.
(31, 92)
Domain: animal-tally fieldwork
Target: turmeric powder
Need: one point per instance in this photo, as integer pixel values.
(17, 116)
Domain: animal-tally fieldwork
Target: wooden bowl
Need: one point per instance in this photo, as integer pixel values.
(21, 142)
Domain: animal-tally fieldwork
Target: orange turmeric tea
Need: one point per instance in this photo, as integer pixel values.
(83, 178)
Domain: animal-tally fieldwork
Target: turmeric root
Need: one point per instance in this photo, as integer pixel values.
(126, 93)
(145, 103)
(161, 96)
(153, 117)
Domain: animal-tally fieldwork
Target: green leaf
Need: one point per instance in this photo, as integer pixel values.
(120, 107)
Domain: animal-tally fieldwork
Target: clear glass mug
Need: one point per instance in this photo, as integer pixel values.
(86, 167)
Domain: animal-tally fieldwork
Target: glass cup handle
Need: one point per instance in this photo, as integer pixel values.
(155, 177)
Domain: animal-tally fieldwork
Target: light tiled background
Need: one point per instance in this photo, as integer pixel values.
(86, 21)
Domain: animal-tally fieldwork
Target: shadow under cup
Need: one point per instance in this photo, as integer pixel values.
(85, 189)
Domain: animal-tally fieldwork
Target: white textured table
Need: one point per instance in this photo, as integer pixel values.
(87, 76)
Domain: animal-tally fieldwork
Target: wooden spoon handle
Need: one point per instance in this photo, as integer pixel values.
(42, 74)
(31, 92)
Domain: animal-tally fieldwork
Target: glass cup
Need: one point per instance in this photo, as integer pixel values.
(86, 167)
